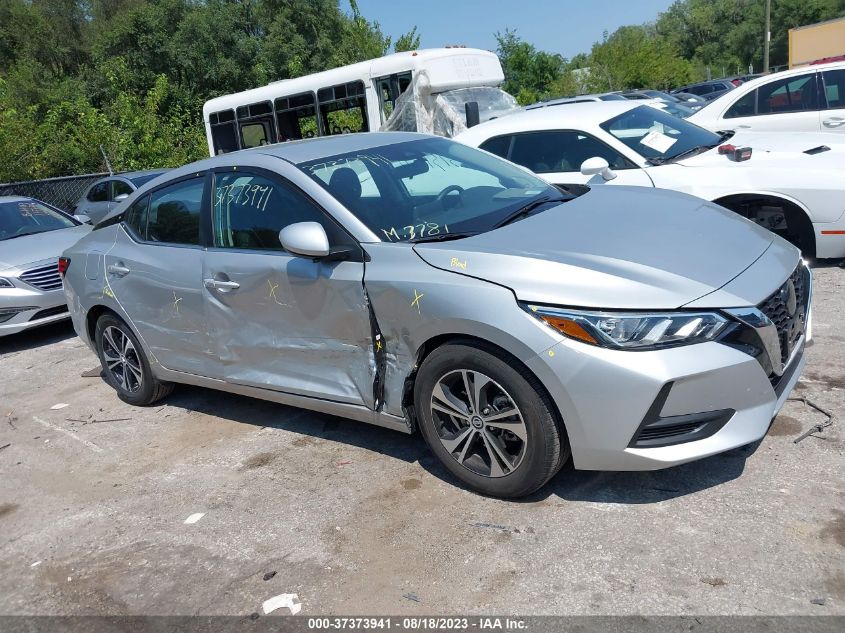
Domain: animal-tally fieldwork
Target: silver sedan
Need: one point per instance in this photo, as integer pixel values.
(419, 284)
(32, 236)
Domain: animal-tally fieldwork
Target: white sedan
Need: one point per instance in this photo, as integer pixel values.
(806, 99)
(792, 185)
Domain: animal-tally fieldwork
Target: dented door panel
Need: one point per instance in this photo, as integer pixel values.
(292, 324)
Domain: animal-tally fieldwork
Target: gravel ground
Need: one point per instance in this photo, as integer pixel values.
(355, 519)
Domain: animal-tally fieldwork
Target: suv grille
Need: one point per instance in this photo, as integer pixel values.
(787, 309)
(44, 277)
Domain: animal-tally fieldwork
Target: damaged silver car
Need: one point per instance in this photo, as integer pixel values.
(416, 283)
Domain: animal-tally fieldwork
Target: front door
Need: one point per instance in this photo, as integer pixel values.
(557, 156)
(154, 271)
(284, 322)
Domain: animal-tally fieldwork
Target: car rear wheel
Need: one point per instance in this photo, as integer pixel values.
(124, 364)
(488, 420)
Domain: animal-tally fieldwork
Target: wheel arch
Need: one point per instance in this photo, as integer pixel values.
(803, 236)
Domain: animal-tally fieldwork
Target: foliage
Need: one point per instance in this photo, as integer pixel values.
(530, 75)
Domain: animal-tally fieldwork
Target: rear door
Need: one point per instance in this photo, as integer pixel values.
(154, 271)
(280, 321)
(557, 156)
(833, 114)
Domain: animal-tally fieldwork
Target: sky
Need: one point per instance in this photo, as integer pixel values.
(567, 27)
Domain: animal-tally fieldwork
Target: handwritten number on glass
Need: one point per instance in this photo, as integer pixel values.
(414, 231)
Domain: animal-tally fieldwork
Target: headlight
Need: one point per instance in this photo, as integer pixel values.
(633, 331)
(5, 283)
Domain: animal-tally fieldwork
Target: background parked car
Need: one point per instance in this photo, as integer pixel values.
(692, 103)
(708, 90)
(32, 236)
(104, 194)
(808, 99)
(607, 96)
(792, 186)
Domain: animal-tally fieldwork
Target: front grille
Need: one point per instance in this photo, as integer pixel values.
(48, 312)
(44, 277)
(787, 309)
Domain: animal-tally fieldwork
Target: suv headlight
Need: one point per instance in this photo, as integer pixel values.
(5, 283)
(633, 331)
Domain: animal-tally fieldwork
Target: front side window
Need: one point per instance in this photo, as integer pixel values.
(746, 106)
(174, 213)
(250, 210)
(120, 188)
(561, 150)
(427, 187)
(28, 217)
(99, 192)
(834, 88)
(792, 94)
(657, 135)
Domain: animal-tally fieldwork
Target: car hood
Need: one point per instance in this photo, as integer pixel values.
(613, 247)
(785, 150)
(30, 249)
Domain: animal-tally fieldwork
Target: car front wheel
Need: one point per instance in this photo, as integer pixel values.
(125, 365)
(488, 420)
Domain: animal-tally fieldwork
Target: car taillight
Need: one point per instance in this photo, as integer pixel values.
(64, 264)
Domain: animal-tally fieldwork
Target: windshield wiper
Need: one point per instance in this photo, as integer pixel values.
(442, 237)
(526, 210)
(697, 149)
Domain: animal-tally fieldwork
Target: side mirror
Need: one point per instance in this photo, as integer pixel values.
(82, 218)
(121, 197)
(597, 165)
(307, 239)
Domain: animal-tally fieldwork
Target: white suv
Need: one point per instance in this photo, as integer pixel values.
(807, 99)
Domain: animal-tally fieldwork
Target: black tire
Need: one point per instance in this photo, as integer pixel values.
(148, 389)
(545, 447)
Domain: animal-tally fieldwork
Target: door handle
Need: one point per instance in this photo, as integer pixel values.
(833, 122)
(222, 286)
(118, 270)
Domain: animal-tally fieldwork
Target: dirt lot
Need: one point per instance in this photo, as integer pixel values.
(359, 520)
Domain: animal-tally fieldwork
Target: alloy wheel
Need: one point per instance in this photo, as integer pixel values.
(122, 360)
(478, 423)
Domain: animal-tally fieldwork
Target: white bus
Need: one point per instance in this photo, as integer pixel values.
(358, 98)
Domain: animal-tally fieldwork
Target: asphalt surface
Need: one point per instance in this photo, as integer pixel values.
(360, 520)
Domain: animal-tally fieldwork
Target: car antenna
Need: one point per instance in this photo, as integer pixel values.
(106, 158)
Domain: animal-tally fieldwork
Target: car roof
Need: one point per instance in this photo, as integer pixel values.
(574, 115)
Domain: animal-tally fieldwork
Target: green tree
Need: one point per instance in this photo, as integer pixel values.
(530, 74)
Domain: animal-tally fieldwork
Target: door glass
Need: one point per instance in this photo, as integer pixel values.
(174, 213)
(136, 218)
(498, 146)
(561, 150)
(834, 88)
(793, 94)
(250, 210)
(744, 107)
(119, 188)
(99, 192)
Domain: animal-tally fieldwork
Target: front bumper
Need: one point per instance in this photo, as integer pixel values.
(41, 307)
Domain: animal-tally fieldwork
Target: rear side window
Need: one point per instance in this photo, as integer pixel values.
(249, 211)
(99, 192)
(746, 106)
(834, 88)
(792, 94)
(135, 218)
(120, 188)
(498, 146)
(174, 213)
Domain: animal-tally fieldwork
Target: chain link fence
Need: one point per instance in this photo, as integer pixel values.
(63, 192)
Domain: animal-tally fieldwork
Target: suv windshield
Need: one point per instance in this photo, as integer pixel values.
(421, 189)
(657, 135)
(27, 217)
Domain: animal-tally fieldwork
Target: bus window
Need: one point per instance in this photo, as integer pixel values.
(256, 124)
(343, 108)
(296, 116)
(223, 133)
(388, 89)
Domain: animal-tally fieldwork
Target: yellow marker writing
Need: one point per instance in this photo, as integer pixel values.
(456, 263)
(416, 301)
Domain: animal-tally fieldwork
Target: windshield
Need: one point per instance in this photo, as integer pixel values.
(27, 217)
(492, 102)
(656, 134)
(429, 187)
